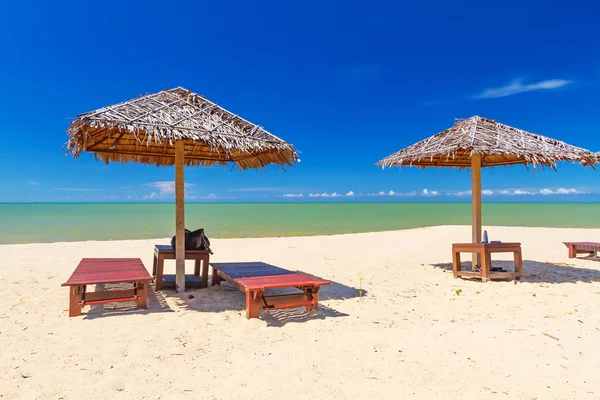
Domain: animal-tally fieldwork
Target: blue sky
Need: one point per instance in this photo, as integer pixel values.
(347, 83)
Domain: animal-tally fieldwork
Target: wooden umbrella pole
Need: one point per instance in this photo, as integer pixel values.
(476, 203)
(179, 218)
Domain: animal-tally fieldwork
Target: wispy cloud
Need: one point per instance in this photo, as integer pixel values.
(77, 189)
(260, 189)
(293, 195)
(517, 86)
(34, 183)
(324, 194)
(364, 73)
(164, 188)
(427, 192)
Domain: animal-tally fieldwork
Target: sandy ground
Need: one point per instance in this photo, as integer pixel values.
(416, 332)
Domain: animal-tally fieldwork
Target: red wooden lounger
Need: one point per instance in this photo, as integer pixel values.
(253, 278)
(592, 248)
(93, 271)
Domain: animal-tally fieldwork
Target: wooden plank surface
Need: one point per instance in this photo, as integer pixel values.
(92, 271)
(280, 281)
(237, 270)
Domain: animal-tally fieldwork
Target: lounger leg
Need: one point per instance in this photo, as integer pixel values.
(159, 272)
(204, 282)
(455, 263)
(142, 293)
(312, 295)
(485, 266)
(216, 279)
(518, 264)
(252, 305)
(154, 265)
(74, 301)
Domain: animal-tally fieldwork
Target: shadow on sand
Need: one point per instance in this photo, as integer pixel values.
(537, 271)
(156, 304)
(225, 297)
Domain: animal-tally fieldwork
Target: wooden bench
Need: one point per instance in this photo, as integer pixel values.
(166, 252)
(95, 271)
(253, 278)
(591, 248)
(485, 250)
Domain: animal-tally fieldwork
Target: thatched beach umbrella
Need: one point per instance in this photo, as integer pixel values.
(480, 142)
(176, 127)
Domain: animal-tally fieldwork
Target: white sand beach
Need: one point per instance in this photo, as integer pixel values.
(410, 335)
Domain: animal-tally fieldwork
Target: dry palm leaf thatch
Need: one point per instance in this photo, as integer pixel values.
(145, 130)
(498, 144)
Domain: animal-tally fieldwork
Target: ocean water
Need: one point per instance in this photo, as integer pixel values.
(51, 222)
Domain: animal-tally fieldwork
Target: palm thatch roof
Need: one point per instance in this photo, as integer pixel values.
(497, 143)
(145, 129)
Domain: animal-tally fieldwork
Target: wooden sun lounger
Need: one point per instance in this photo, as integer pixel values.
(592, 248)
(94, 271)
(253, 278)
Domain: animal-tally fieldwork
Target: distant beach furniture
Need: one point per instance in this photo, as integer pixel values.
(176, 127)
(591, 248)
(97, 271)
(478, 142)
(253, 278)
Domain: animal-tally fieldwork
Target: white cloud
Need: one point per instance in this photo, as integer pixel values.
(152, 195)
(560, 191)
(211, 196)
(504, 192)
(314, 195)
(566, 191)
(391, 193)
(382, 193)
(426, 192)
(34, 183)
(350, 194)
(519, 192)
(487, 192)
(516, 87)
(293, 195)
(463, 193)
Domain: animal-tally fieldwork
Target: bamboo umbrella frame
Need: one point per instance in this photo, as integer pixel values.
(479, 142)
(181, 128)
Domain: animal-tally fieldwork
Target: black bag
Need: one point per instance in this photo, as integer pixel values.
(195, 240)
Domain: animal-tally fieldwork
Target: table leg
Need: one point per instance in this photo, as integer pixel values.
(154, 264)
(142, 293)
(486, 261)
(205, 262)
(74, 301)
(159, 271)
(455, 263)
(197, 262)
(518, 264)
(252, 304)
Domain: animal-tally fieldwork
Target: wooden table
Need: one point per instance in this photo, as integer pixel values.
(166, 252)
(94, 271)
(485, 250)
(253, 278)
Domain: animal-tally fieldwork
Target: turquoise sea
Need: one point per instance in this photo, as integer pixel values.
(51, 222)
